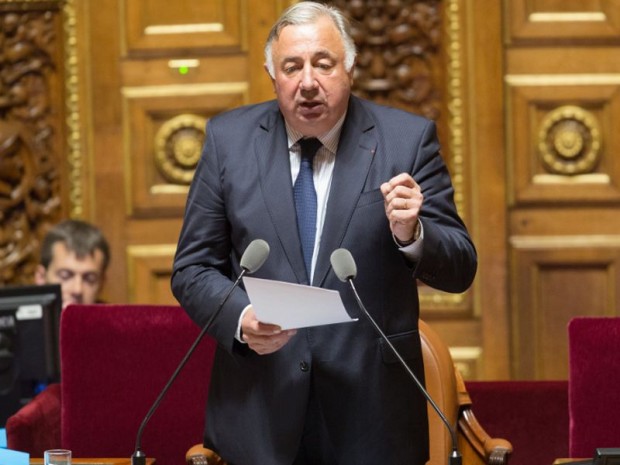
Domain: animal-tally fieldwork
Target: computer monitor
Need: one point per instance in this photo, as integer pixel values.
(29, 349)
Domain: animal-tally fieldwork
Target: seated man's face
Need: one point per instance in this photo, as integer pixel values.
(80, 278)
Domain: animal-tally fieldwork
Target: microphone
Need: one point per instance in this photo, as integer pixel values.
(252, 259)
(345, 268)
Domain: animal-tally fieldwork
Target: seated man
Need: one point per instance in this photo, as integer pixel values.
(74, 254)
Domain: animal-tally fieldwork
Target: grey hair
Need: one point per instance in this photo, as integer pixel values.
(308, 12)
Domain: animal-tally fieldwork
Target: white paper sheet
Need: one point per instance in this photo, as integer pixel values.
(291, 305)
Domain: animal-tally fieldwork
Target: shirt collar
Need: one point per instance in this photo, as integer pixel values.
(329, 139)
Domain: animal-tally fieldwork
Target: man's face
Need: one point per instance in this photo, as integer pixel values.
(311, 82)
(80, 278)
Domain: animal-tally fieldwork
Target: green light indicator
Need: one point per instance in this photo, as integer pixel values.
(183, 70)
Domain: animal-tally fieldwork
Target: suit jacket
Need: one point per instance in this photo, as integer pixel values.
(242, 190)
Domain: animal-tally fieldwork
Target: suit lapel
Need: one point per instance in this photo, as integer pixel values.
(356, 151)
(274, 166)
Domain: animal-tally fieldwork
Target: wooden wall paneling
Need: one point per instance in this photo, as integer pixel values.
(564, 64)
(470, 133)
(164, 137)
(589, 220)
(150, 270)
(179, 65)
(554, 279)
(563, 143)
(469, 361)
(185, 26)
(561, 81)
(563, 20)
(80, 152)
(166, 103)
(485, 119)
(101, 55)
(439, 94)
(263, 15)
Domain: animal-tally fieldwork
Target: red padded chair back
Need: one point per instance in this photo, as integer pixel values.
(532, 415)
(36, 426)
(594, 384)
(115, 359)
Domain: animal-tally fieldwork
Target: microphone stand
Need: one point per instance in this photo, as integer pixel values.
(455, 456)
(138, 457)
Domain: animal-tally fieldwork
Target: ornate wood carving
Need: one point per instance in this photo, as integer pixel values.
(30, 198)
(178, 145)
(398, 45)
(569, 141)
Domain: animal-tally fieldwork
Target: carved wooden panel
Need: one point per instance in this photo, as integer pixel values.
(31, 133)
(564, 140)
(399, 45)
(556, 278)
(165, 132)
(577, 20)
(183, 26)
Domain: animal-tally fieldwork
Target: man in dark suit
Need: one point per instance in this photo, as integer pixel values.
(331, 394)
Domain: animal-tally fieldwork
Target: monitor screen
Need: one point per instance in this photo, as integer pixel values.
(29, 350)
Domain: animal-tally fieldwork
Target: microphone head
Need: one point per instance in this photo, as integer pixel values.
(343, 264)
(255, 255)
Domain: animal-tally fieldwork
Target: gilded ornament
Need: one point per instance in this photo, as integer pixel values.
(178, 145)
(569, 141)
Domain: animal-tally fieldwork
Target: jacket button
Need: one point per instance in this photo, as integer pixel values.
(303, 366)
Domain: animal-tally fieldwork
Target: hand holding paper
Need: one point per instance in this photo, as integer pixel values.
(291, 305)
(263, 338)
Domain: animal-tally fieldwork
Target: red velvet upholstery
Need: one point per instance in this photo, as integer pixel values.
(36, 426)
(532, 415)
(115, 359)
(594, 384)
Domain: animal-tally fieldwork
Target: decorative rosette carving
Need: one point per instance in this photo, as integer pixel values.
(569, 141)
(178, 145)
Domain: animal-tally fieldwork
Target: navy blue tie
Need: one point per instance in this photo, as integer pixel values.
(305, 199)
